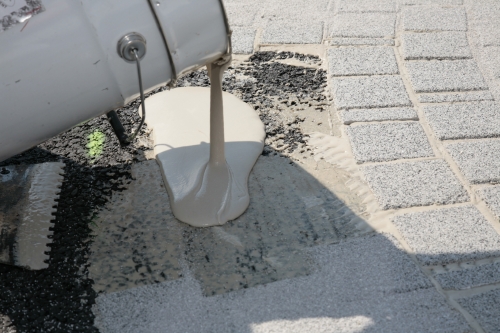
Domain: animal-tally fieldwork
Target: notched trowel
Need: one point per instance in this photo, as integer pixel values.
(28, 195)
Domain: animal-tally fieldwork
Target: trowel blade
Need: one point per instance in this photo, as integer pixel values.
(28, 196)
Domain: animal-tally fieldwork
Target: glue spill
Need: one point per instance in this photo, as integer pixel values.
(206, 143)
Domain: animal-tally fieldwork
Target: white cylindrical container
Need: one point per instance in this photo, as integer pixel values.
(61, 67)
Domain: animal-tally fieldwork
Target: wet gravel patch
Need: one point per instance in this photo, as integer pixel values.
(59, 298)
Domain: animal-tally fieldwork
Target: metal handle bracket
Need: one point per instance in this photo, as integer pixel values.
(132, 48)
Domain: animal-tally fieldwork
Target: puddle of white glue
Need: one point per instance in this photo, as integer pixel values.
(206, 142)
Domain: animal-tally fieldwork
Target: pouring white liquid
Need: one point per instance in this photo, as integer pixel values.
(206, 142)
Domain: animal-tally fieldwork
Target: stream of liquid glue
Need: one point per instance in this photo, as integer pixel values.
(215, 190)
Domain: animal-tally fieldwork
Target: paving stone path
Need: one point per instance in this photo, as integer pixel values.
(415, 89)
(416, 84)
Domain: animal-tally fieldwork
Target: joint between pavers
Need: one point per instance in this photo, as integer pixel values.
(457, 294)
(461, 266)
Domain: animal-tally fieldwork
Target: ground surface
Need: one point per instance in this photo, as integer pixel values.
(374, 206)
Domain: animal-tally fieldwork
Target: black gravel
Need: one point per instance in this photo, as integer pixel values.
(59, 298)
(271, 86)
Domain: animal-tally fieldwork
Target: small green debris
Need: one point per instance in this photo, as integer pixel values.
(96, 143)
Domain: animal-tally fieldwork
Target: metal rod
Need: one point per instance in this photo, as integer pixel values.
(143, 104)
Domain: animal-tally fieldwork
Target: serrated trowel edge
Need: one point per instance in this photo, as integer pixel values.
(32, 234)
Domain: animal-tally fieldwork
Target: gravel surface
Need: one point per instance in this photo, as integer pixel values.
(59, 298)
(409, 184)
(366, 115)
(339, 41)
(243, 39)
(449, 235)
(445, 75)
(347, 61)
(464, 121)
(471, 277)
(367, 6)
(471, 96)
(366, 284)
(369, 92)
(374, 25)
(434, 18)
(478, 161)
(296, 32)
(491, 195)
(444, 45)
(485, 308)
(388, 141)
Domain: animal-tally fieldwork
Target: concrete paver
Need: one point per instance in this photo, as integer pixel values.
(240, 14)
(388, 141)
(278, 31)
(368, 115)
(489, 33)
(471, 96)
(430, 18)
(346, 41)
(370, 92)
(416, 183)
(464, 121)
(345, 61)
(442, 45)
(445, 75)
(471, 277)
(374, 25)
(491, 195)
(484, 307)
(365, 284)
(479, 161)
(243, 40)
(367, 6)
(484, 18)
(432, 2)
(449, 235)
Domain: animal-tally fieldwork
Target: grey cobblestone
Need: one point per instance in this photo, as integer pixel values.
(445, 75)
(469, 278)
(364, 25)
(484, 19)
(449, 235)
(432, 2)
(366, 6)
(243, 40)
(301, 12)
(415, 183)
(345, 61)
(485, 309)
(366, 115)
(471, 96)
(431, 18)
(478, 161)
(292, 32)
(491, 196)
(240, 14)
(346, 41)
(442, 45)
(369, 92)
(464, 121)
(388, 141)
